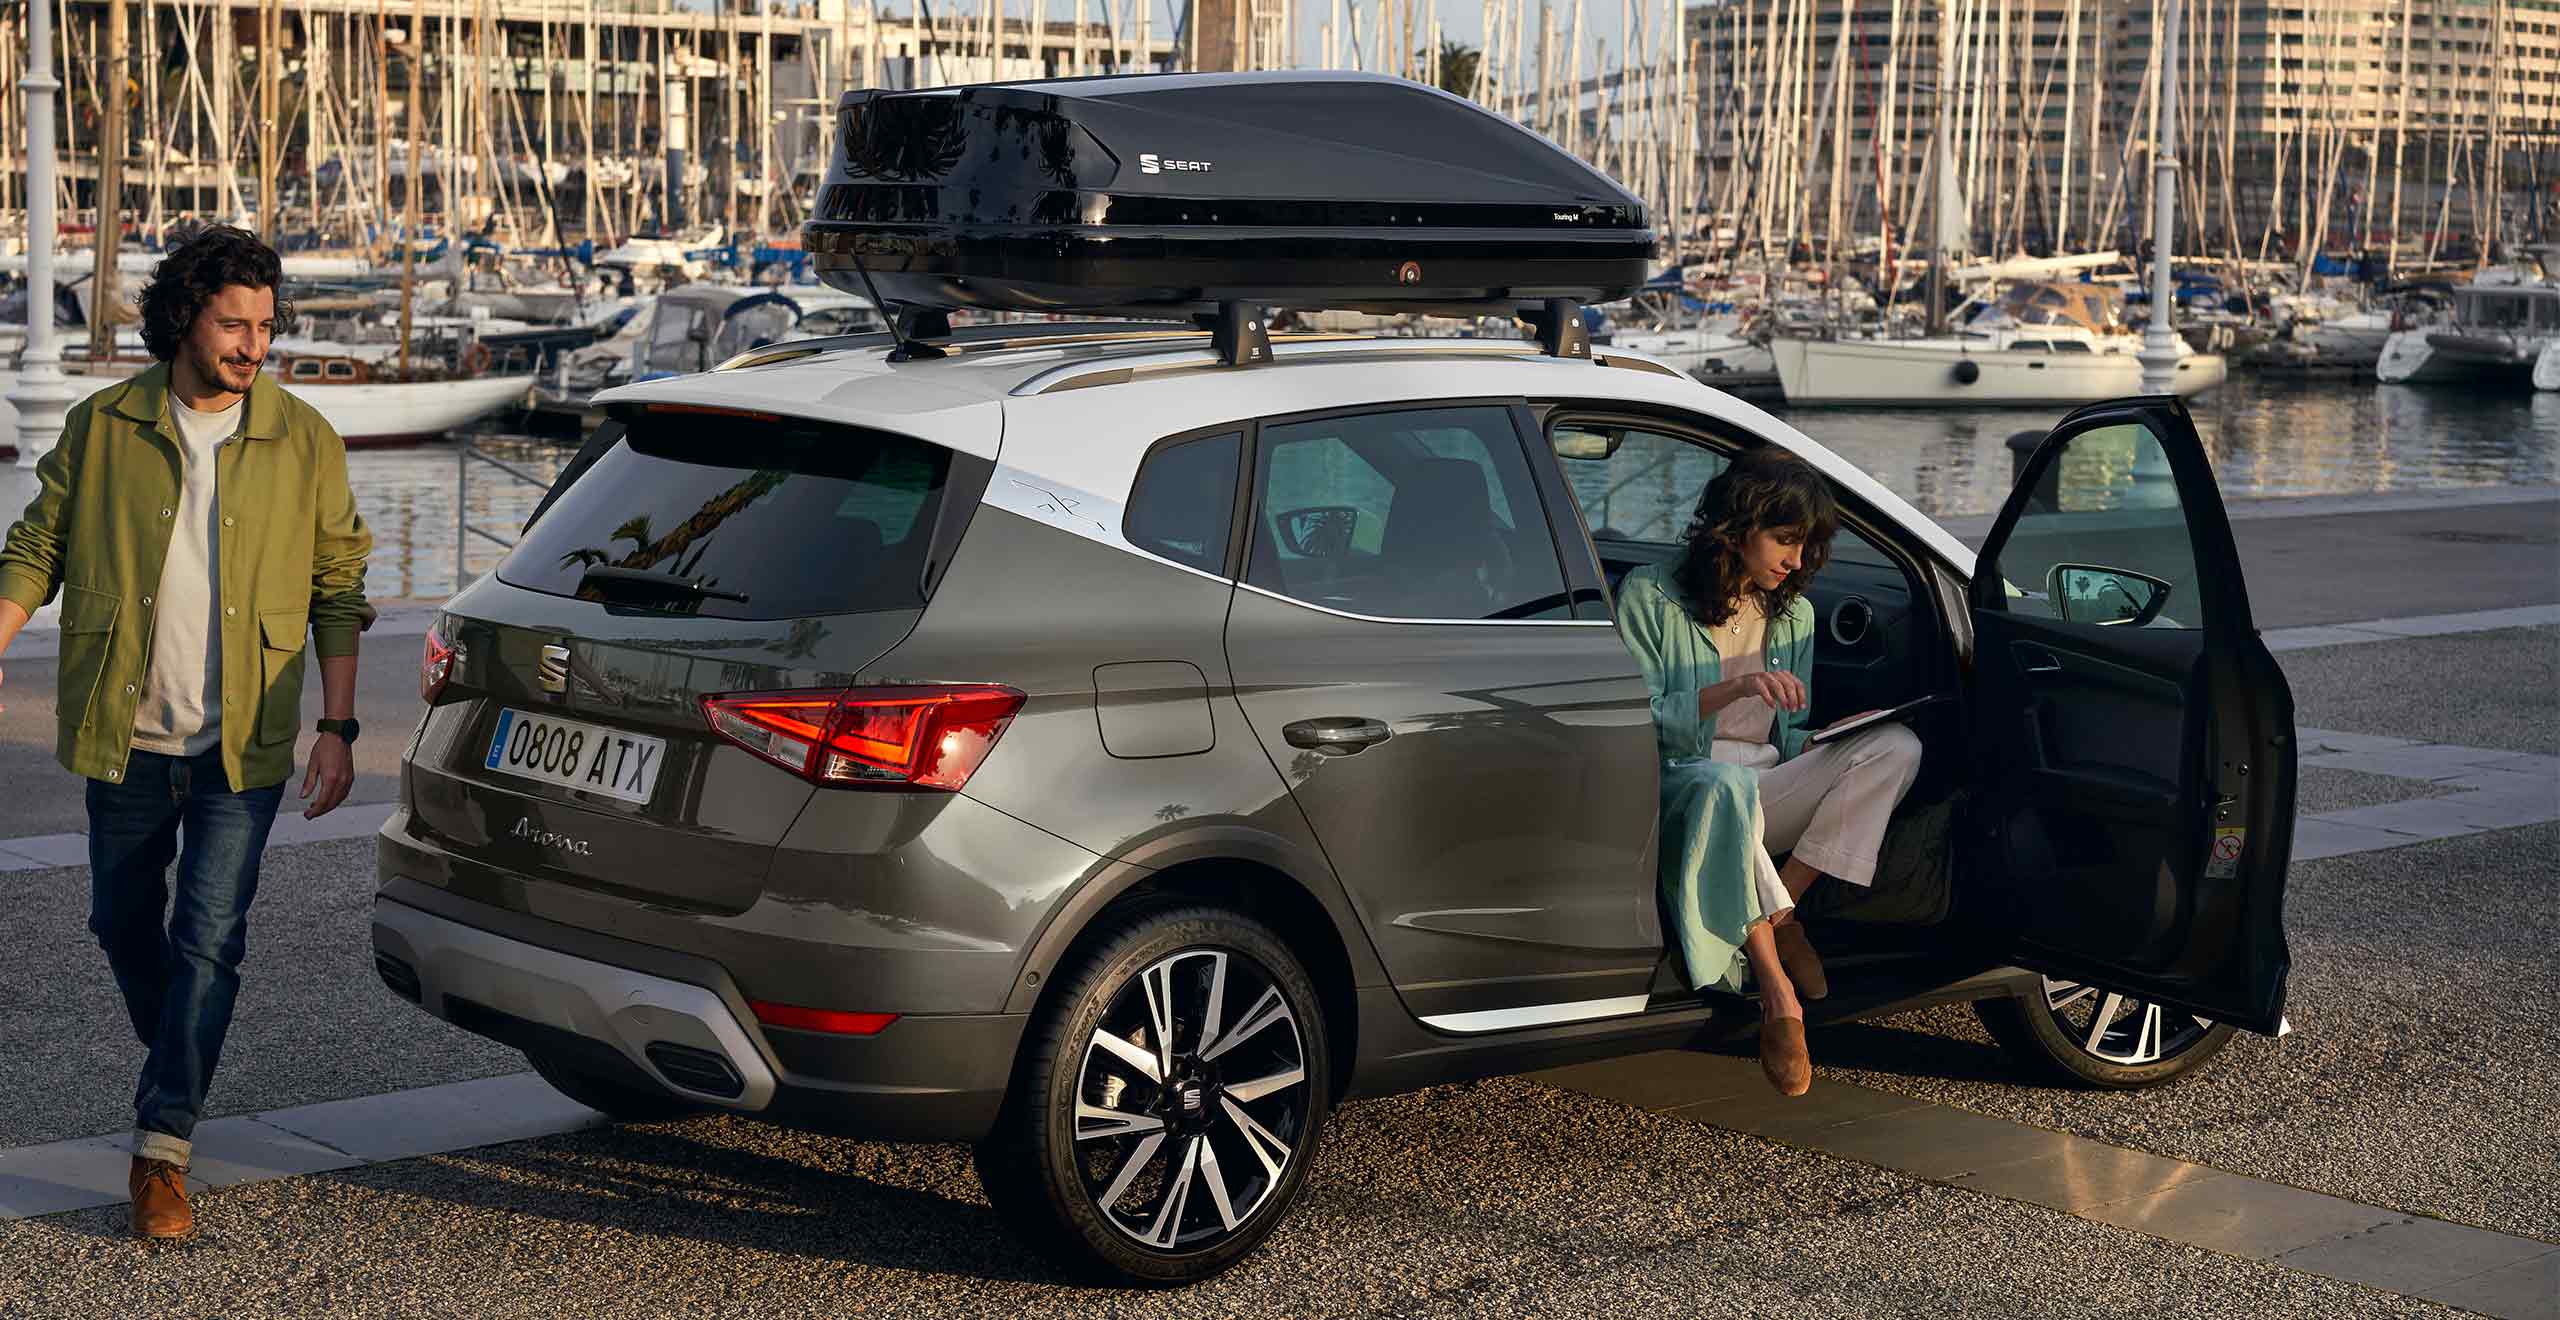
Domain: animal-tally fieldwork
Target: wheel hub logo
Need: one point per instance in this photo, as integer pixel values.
(1193, 1098)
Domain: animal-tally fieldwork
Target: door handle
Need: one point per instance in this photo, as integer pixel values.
(2036, 659)
(1335, 735)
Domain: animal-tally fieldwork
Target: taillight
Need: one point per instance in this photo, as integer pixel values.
(872, 737)
(435, 665)
(828, 1020)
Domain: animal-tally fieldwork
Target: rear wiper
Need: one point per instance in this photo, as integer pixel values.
(609, 579)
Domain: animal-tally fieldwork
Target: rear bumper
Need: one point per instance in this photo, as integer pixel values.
(641, 1015)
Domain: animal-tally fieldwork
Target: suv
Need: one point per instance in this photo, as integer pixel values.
(1079, 748)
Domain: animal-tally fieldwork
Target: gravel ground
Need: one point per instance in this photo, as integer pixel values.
(1498, 1199)
(2323, 789)
(2426, 1010)
(2485, 689)
(312, 1023)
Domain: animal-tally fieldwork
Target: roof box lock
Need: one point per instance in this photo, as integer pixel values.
(1296, 191)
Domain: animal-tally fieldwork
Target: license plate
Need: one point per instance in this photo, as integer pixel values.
(574, 754)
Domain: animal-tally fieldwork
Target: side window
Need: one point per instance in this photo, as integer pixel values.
(2103, 539)
(1183, 503)
(1634, 485)
(1427, 514)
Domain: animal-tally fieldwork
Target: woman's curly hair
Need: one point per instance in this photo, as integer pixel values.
(1765, 489)
(213, 259)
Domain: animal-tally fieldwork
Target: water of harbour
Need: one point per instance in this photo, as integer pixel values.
(2268, 437)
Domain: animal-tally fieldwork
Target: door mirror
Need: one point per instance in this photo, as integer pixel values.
(2088, 593)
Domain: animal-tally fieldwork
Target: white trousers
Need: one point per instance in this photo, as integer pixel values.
(1829, 807)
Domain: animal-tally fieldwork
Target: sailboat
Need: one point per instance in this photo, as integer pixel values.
(2044, 344)
(2502, 327)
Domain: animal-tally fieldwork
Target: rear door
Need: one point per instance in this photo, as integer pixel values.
(2134, 735)
(1475, 756)
(703, 552)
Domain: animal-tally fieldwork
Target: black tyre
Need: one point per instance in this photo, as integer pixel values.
(619, 1101)
(2080, 1034)
(1168, 1101)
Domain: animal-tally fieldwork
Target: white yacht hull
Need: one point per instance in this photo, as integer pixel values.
(378, 413)
(372, 413)
(1886, 373)
(2442, 355)
(1703, 354)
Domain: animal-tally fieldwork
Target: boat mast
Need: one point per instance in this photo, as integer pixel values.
(2159, 345)
(2399, 145)
(1938, 162)
(109, 196)
(415, 160)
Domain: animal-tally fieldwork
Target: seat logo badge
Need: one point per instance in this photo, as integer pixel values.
(1151, 163)
(1193, 1099)
(553, 671)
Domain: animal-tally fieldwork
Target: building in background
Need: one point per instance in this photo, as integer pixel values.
(2307, 124)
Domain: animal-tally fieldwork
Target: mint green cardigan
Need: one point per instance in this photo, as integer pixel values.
(1710, 810)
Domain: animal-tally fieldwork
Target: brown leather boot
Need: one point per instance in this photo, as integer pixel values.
(160, 1208)
(1804, 966)
(1783, 1055)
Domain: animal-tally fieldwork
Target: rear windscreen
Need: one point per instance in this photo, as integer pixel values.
(798, 519)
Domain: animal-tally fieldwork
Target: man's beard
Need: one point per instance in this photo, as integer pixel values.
(226, 369)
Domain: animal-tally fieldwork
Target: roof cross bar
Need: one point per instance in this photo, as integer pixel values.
(1239, 332)
(1561, 332)
(911, 325)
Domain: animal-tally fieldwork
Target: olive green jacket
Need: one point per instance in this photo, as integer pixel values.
(291, 556)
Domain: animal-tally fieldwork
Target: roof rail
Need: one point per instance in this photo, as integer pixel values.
(976, 338)
(1170, 358)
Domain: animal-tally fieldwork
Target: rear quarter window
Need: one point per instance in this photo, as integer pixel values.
(1182, 505)
(798, 518)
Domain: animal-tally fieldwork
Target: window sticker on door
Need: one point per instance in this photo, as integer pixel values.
(2227, 843)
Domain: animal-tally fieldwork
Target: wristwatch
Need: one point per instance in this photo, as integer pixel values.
(345, 729)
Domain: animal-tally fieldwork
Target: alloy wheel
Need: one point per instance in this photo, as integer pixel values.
(2121, 1029)
(1192, 1100)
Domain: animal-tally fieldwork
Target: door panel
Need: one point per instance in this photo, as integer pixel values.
(2135, 759)
(1497, 843)
(1478, 764)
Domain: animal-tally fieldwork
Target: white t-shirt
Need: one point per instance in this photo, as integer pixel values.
(180, 713)
(1742, 728)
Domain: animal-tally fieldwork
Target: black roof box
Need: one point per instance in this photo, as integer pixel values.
(1173, 193)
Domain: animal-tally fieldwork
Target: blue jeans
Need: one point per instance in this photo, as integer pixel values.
(178, 966)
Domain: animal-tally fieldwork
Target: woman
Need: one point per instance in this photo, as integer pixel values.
(1725, 637)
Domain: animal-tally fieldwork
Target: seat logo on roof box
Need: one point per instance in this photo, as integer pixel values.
(1150, 163)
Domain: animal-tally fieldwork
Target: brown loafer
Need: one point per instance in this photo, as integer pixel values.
(160, 1208)
(1804, 966)
(1783, 1055)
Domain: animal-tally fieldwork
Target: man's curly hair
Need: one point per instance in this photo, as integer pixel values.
(215, 258)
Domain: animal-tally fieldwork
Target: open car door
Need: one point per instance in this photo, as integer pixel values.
(2136, 771)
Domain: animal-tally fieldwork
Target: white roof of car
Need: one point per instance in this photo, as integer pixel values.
(1080, 411)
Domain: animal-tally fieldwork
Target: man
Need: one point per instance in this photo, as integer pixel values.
(197, 522)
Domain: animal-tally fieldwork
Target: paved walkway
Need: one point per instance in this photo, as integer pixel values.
(2475, 1269)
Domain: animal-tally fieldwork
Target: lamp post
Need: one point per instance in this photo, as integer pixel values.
(42, 394)
(2159, 341)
